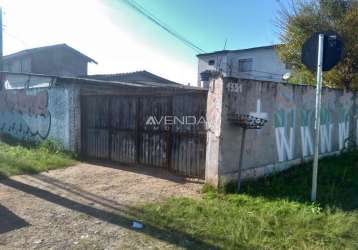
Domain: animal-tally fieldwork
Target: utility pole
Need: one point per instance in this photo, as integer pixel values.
(1, 43)
(1, 54)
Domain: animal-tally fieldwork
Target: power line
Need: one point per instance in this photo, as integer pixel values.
(137, 7)
(15, 37)
(141, 10)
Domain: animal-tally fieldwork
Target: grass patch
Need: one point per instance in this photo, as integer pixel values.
(272, 213)
(337, 183)
(18, 158)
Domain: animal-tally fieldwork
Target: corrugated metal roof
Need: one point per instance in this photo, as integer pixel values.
(99, 83)
(143, 77)
(44, 48)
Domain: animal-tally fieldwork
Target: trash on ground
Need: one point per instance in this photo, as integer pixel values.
(137, 225)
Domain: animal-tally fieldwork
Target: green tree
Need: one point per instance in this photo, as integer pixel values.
(301, 18)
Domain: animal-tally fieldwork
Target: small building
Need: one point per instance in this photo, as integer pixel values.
(123, 121)
(56, 60)
(260, 63)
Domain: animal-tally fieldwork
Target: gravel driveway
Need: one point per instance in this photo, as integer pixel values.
(85, 207)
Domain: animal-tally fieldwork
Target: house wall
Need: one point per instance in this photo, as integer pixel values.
(266, 64)
(21, 64)
(203, 64)
(59, 62)
(286, 139)
(42, 113)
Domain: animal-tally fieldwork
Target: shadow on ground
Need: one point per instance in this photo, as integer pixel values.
(10, 221)
(156, 172)
(118, 214)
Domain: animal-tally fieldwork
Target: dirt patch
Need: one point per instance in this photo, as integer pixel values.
(86, 207)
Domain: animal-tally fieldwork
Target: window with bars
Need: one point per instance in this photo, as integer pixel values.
(211, 62)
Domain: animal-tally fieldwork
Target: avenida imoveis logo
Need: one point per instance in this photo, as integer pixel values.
(170, 120)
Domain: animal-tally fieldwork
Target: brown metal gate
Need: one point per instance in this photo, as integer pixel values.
(116, 128)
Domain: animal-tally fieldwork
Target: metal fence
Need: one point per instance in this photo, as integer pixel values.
(159, 131)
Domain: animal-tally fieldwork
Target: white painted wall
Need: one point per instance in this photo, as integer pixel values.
(266, 64)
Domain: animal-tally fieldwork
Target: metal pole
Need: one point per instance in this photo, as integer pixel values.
(1, 52)
(317, 116)
(1, 42)
(241, 158)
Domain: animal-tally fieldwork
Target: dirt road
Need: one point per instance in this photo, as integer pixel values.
(85, 207)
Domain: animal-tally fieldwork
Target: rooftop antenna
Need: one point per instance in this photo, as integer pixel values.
(217, 57)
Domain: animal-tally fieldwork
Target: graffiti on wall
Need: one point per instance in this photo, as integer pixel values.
(286, 122)
(345, 106)
(25, 115)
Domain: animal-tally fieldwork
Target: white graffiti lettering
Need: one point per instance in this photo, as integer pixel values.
(326, 138)
(284, 143)
(306, 142)
(343, 133)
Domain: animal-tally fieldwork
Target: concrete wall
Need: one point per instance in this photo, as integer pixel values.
(287, 138)
(266, 64)
(42, 113)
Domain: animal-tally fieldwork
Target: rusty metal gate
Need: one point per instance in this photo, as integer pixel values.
(158, 131)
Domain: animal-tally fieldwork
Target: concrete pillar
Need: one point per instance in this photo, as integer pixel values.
(214, 118)
(223, 147)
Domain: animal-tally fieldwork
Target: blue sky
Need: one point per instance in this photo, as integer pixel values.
(123, 40)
